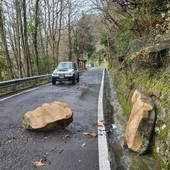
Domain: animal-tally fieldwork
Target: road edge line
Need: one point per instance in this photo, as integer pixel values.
(104, 163)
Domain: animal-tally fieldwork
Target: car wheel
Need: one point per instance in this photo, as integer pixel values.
(74, 79)
(53, 81)
(78, 79)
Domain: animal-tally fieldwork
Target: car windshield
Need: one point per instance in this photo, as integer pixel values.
(65, 66)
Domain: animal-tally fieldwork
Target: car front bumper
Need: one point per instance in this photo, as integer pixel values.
(64, 78)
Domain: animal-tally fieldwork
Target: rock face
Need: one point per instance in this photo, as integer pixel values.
(49, 116)
(140, 123)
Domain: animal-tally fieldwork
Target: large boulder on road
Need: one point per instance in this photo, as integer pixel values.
(49, 116)
(140, 123)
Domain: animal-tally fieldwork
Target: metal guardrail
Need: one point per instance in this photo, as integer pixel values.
(15, 82)
(24, 80)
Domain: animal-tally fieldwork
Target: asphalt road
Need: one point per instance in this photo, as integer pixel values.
(59, 149)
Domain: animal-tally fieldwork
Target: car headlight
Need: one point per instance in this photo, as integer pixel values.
(55, 74)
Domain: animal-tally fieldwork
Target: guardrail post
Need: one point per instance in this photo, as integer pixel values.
(13, 88)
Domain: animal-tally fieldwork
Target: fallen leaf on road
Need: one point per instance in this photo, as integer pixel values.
(86, 133)
(66, 136)
(83, 145)
(38, 163)
(41, 162)
(91, 134)
(11, 138)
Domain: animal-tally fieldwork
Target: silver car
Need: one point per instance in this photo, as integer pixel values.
(65, 71)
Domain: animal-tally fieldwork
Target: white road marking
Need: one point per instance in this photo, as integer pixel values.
(20, 93)
(104, 163)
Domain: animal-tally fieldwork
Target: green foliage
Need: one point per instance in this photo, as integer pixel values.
(135, 45)
(123, 37)
(104, 37)
(104, 64)
(137, 28)
(132, 26)
(165, 76)
(126, 81)
(98, 54)
(163, 133)
(83, 40)
(45, 65)
(99, 57)
(163, 165)
(154, 55)
(122, 84)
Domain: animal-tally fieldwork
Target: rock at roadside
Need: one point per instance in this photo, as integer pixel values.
(140, 124)
(49, 116)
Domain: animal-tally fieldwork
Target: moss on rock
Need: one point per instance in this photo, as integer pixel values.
(126, 81)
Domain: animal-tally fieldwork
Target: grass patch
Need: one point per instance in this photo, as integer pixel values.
(163, 165)
(163, 133)
(104, 64)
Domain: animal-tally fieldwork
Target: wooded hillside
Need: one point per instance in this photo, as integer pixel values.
(137, 38)
(36, 35)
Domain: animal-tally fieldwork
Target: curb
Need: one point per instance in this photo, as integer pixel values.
(104, 163)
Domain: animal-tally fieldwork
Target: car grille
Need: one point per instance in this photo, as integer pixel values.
(61, 75)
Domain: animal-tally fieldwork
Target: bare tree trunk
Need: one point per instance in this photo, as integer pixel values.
(20, 24)
(41, 42)
(59, 30)
(46, 35)
(27, 52)
(4, 42)
(12, 38)
(53, 32)
(17, 4)
(50, 9)
(35, 35)
(69, 31)
(45, 28)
